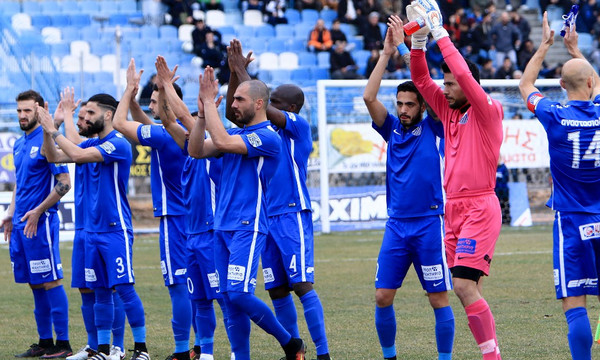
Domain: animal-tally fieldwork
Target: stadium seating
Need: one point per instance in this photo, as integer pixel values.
(293, 16)
(268, 61)
(276, 45)
(288, 60)
(51, 35)
(253, 18)
(215, 18)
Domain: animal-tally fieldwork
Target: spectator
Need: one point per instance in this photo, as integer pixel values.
(517, 74)
(199, 35)
(487, 69)
(252, 5)
(346, 11)
(526, 53)
(147, 90)
(275, 12)
(179, 12)
(564, 4)
(481, 36)
(501, 190)
(212, 53)
(505, 38)
(522, 24)
(206, 5)
(320, 38)
(390, 70)
(364, 10)
(308, 4)
(506, 70)
(372, 33)
(336, 32)
(586, 16)
(341, 63)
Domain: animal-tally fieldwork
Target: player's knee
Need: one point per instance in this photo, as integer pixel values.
(302, 288)
(279, 292)
(384, 297)
(86, 291)
(238, 298)
(438, 300)
(126, 292)
(51, 284)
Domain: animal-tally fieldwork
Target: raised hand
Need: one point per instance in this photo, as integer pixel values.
(44, 118)
(209, 87)
(547, 33)
(395, 26)
(163, 74)
(429, 11)
(235, 57)
(133, 77)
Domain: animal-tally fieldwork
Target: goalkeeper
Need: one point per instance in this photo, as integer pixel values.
(473, 134)
(414, 232)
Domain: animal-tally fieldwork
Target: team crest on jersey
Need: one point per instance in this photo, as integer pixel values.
(417, 131)
(34, 151)
(254, 139)
(146, 131)
(464, 119)
(590, 231)
(108, 147)
(291, 115)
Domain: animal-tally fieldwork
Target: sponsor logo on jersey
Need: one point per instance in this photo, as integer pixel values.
(590, 231)
(582, 282)
(90, 275)
(463, 120)
(213, 280)
(108, 147)
(180, 272)
(40, 266)
(34, 151)
(236, 272)
(466, 246)
(268, 275)
(146, 131)
(254, 139)
(432, 272)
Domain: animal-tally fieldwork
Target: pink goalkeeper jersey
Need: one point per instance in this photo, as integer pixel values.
(472, 138)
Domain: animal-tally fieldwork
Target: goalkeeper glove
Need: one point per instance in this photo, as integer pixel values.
(430, 12)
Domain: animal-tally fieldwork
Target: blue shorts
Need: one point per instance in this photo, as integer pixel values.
(108, 259)
(236, 259)
(202, 280)
(289, 256)
(173, 258)
(78, 260)
(37, 260)
(576, 254)
(418, 241)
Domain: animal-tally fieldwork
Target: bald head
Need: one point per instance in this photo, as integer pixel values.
(576, 73)
(288, 97)
(256, 90)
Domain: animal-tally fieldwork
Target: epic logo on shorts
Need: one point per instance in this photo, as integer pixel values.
(236, 273)
(268, 275)
(432, 272)
(254, 139)
(108, 147)
(90, 275)
(466, 246)
(590, 231)
(146, 131)
(585, 282)
(180, 272)
(40, 266)
(213, 280)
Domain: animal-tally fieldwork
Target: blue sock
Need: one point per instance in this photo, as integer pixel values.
(42, 314)
(196, 337)
(87, 312)
(134, 309)
(286, 314)
(238, 325)
(260, 314)
(103, 314)
(313, 313)
(182, 316)
(206, 323)
(225, 316)
(118, 326)
(385, 323)
(59, 305)
(580, 333)
(444, 332)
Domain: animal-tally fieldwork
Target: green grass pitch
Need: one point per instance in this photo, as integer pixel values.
(520, 291)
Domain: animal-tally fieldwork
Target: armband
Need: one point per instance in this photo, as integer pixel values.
(533, 99)
(403, 49)
(55, 135)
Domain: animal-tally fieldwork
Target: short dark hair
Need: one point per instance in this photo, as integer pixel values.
(31, 95)
(177, 90)
(105, 100)
(472, 67)
(409, 86)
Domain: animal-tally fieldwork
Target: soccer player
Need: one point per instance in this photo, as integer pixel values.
(199, 192)
(472, 135)
(414, 232)
(250, 156)
(64, 113)
(108, 227)
(166, 166)
(31, 227)
(288, 258)
(573, 131)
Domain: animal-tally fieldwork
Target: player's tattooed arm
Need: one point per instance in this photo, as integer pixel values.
(62, 189)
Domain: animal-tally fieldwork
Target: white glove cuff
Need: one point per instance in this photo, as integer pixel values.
(439, 33)
(419, 42)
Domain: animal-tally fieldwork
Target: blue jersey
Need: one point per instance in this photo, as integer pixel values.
(288, 191)
(573, 133)
(244, 179)
(108, 208)
(166, 165)
(414, 167)
(81, 188)
(34, 174)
